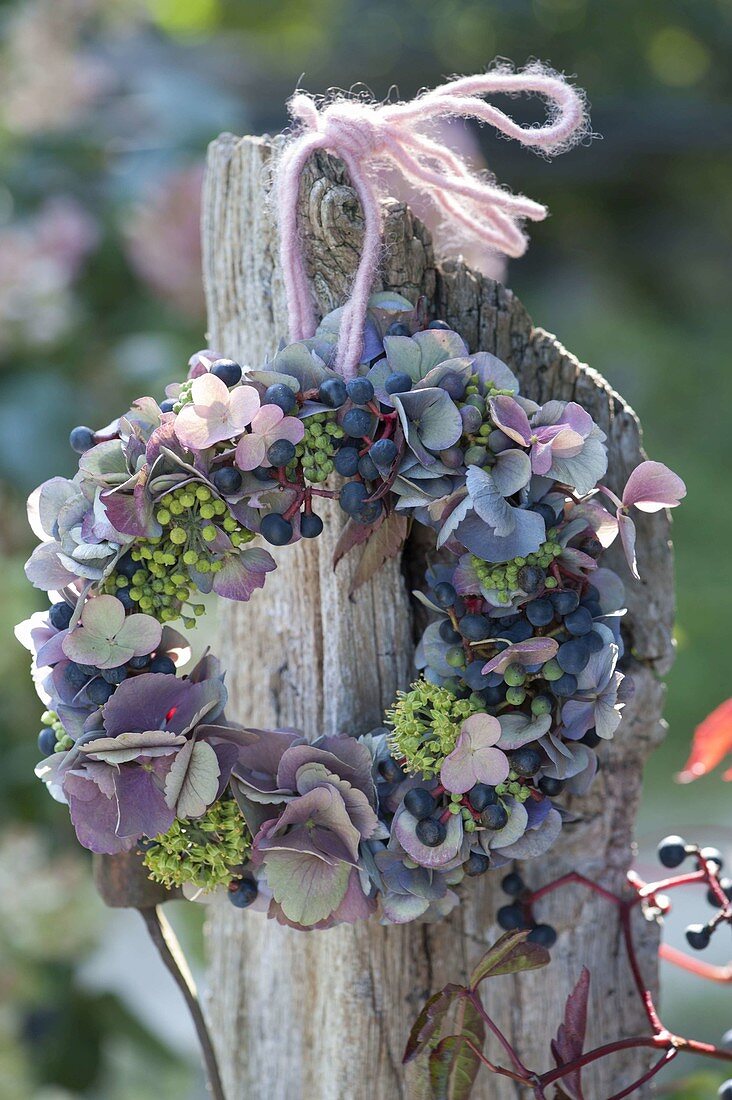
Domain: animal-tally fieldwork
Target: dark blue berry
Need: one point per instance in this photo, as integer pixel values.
(672, 851)
(594, 642)
(242, 892)
(725, 1090)
(275, 529)
(573, 655)
(352, 497)
(525, 761)
(441, 325)
(281, 395)
(368, 513)
(578, 622)
(550, 786)
(138, 663)
(281, 452)
(546, 512)
(167, 405)
(98, 690)
(591, 739)
(475, 627)
(398, 382)
(383, 452)
(357, 423)
(445, 594)
(543, 934)
(494, 816)
(453, 385)
(430, 832)
(698, 936)
(565, 686)
(310, 525)
(531, 578)
(565, 601)
(127, 566)
(60, 615)
(448, 633)
(227, 370)
(482, 795)
(367, 468)
(115, 675)
(510, 917)
(519, 632)
(476, 864)
(726, 887)
(46, 741)
(163, 664)
(346, 461)
(389, 770)
(227, 480)
(332, 392)
(262, 473)
(398, 329)
(539, 612)
(360, 391)
(713, 855)
(81, 439)
(74, 675)
(419, 802)
(124, 597)
(513, 885)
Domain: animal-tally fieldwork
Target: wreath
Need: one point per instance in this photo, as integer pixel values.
(518, 673)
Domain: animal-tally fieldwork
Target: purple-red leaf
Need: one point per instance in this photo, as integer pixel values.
(508, 955)
(570, 1040)
(426, 1028)
(385, 543)
(354, 534)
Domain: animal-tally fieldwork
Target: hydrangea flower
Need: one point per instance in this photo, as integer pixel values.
(267, 426)
(106, 638)
(475, 759)
(216, 413)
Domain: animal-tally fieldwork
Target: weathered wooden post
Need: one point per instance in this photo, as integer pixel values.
(325, 1015)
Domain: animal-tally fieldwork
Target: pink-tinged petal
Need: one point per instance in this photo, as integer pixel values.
(508, 415)
(243, 407)
(627, 537)
(574, 416)
(103, 615)
(653, 486)
(208, 390)
(291, 428)
(484, 729)
(250, 452)
(457, 773)
(567, 443)
(267, 419)
(242, 573)
(490, 766)
(533, 651)
(541, 458)
(193, 431)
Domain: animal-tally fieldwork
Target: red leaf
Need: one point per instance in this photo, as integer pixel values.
(384, 543)
(570, 1039)
(712, 741)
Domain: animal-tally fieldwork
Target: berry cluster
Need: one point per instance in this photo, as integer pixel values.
(673, 851)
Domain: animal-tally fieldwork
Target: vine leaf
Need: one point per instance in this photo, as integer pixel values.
(570, 1039)
(509, 955)
(384, 543)
(426, 1028)
(354, 534)
(454, 1064)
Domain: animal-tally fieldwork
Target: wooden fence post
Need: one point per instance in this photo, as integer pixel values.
(325, 1015)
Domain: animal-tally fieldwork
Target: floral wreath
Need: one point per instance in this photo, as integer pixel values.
(518, 670)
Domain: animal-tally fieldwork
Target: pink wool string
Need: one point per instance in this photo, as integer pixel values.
(367, 135)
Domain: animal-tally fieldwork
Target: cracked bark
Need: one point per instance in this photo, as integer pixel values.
(325, 1015)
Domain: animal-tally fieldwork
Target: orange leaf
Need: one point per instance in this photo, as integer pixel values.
(712, 741)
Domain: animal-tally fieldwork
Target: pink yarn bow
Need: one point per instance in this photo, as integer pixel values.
(364, 135)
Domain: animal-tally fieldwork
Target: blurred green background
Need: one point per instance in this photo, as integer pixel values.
(106, 107)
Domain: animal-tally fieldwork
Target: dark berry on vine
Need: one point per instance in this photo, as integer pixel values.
(419, 802)
(525, 761)
(281, 452)
(550, 786)
(352, 497)
(475, 627)
(698, 936)
(262, 473)
(357, 423)
(124, 597)
(398, 382)
(115, 675)
(368, 513)
(227, 370)
(725, 1090)
(383, 452)
(565, 686)
(510, 917)
(74, 675)
(441, 325)
(46, 741)
(452, 457)
(98, 690)
(713, 856)
(454, 386)
(445, 594)
(540, 612)
(519, 632)
(578, 622)
(513, 884)
(390, 770)
(81, 439)
(726, 887)
(565, 602)
(531, 578)
(127, 566)
(591, 739)
(476, 864)
(167, 405)
(227, 480)
(672, 851)
(448, 633)
(573, 655)
(242, 892)
(281, 395)
(494, 817)
(543, 934)
(89, 670)
(360, 391)
(275, 529)
(310, 525)
(163, 664)
(332, 392)
(494, 696)
(60, 615)
(346, 461)
(367, 468)
(481, 796)
(430, 832)
(594, 641)
(398, 329)
(138, 663)
(546, 512)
